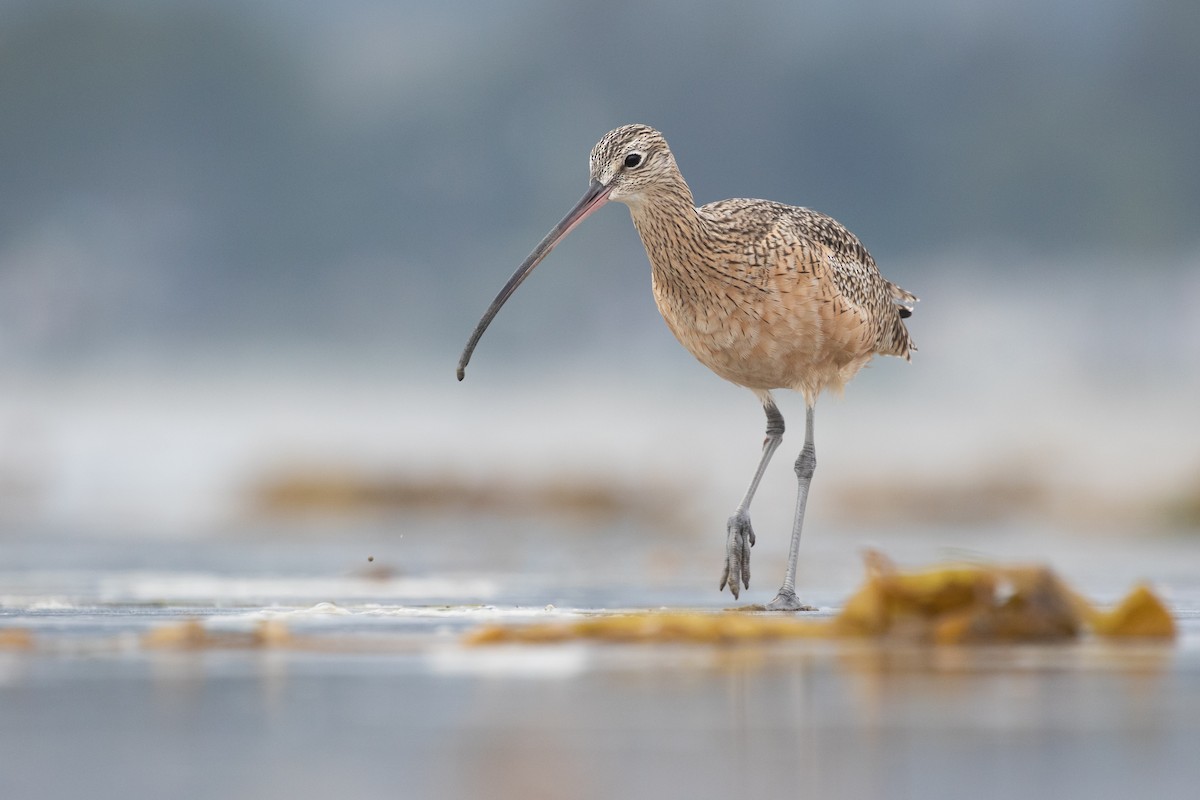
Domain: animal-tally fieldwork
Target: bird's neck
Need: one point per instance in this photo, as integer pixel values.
(679, 244)
(669, 225)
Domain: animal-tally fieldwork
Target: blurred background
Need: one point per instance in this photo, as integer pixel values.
(243, 243)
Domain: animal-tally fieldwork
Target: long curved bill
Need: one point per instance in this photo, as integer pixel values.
(596, 196)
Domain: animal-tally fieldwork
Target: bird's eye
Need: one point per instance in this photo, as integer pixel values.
(633, 159)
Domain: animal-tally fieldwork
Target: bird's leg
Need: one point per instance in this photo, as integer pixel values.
(739, 534)
(806, 464)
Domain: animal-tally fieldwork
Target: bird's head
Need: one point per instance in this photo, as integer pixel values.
(630, 161)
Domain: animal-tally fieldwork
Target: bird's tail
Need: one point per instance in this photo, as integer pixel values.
(906, 300)
(895, 340)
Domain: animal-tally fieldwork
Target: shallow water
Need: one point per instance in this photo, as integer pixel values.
(373, 695)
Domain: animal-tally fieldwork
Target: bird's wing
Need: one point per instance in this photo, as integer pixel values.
(852, 270)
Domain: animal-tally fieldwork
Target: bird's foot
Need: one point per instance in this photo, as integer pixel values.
(786, 600)
(739, 539)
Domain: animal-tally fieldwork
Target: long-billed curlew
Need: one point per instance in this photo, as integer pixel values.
(766, 295)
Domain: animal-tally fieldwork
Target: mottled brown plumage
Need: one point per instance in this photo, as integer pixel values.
(766, 295)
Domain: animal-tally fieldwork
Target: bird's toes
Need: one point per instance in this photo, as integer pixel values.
(787, 600)
(739, 540)
(739, 530)
(731, 577)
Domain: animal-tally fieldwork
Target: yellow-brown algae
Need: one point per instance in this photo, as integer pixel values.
(945, 605)
(15, 639)
(679, 626)
(1140, 614)
(192, 634)
(187, 634)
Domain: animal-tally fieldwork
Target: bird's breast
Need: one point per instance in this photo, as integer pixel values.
(738, 323)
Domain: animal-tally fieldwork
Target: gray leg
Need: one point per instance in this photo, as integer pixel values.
(806, 464)
(739, 535)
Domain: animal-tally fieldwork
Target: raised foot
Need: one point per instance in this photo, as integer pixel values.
(786, 600)
(738, 541)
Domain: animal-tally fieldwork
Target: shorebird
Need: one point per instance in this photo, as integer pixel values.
(768, 296)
